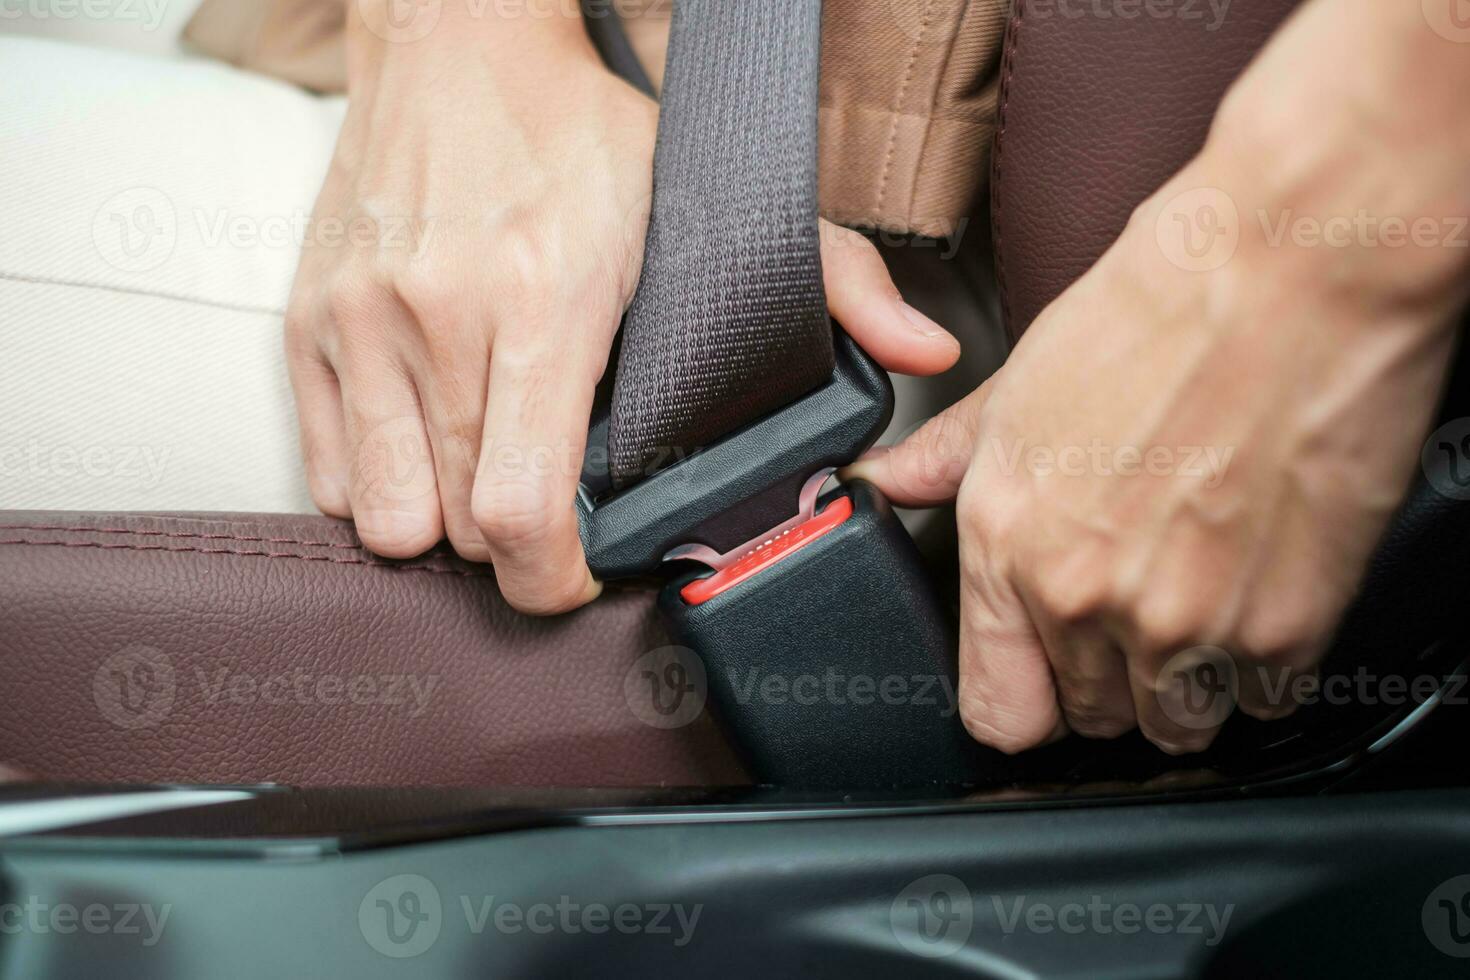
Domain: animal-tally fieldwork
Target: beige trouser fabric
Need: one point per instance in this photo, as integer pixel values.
(908, 97)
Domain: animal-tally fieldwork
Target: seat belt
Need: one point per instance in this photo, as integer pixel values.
(734, 400)
(730, 318)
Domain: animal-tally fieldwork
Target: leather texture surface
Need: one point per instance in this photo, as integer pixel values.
(246, 649)
(1097, 112)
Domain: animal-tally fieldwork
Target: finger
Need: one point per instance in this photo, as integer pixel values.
(1183, 700)
(1270, 692)
(1091, 676)
(454, 390)
(525, 489)
(394, 495)
(323, 429)
(927, 468)
(1007, 696)
(863, 299)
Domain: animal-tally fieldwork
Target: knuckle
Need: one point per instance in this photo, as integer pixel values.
(977, 513)
(549, 599)
(1168, 619)
(528, 360)
(1008, 731)
(1071, 596)
(397, 533)
(512, 512)
(1286, 634)
(430, 296)
(327, 493)
(527, 266)
(987, 516)
(356, 297)
(1091, 717)
(300, 331)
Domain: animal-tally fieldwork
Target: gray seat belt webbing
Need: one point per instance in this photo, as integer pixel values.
(729, 322)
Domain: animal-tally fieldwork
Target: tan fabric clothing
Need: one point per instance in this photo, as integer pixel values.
(908, 91)
(297, 40)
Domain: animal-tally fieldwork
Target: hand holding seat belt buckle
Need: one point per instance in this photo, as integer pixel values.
(739, 490)
(829, 658)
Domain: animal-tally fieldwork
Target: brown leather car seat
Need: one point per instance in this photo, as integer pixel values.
(146, 648)
(231, 648)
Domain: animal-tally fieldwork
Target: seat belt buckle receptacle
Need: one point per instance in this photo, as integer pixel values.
(829, 658)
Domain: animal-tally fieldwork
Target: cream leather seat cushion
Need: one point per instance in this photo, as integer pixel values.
(150, 211)
(153, 211)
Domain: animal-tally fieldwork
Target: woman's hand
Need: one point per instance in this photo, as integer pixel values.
(1192, 453)
(474, 247)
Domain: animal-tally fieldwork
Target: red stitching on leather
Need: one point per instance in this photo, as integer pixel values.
(176, 534)
(247, 554)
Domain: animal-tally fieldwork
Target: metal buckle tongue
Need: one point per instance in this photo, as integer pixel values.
(806, 509)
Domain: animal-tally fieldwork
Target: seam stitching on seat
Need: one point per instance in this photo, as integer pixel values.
(148, 293)
(72, 529)
(997, 200)
(247, 554)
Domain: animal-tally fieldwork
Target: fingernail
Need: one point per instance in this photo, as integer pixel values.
(922, 324)
(864, 466)
(877, 452)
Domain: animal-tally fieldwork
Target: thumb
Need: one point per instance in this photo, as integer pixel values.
(863, 299)
(925, 469)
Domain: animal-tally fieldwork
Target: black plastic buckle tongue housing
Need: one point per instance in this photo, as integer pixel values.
(724, 495)
(833, 665)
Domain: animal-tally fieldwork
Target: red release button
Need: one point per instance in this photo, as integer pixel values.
(767, 554)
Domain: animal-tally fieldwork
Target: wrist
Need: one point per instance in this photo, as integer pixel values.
(1335, 212)
(515, 39)
(1355, 188)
